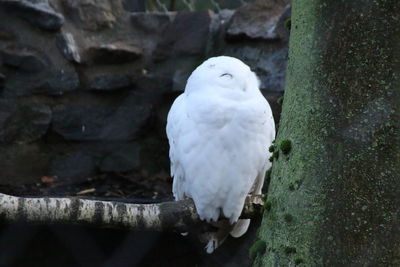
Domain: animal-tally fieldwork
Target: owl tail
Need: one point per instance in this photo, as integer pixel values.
(240, 228)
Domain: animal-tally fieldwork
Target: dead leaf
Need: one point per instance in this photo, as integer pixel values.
(47, 179)
(86, 191)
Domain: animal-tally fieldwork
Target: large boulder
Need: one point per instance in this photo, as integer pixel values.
(23, 123)
(93, 15)
(99, 123)
(187, 35)
(72, 167)
(37, 13)
(257, 20)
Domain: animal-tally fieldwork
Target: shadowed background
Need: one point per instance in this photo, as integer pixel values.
(85, 87)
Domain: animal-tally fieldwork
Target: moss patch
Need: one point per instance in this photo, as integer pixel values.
(285, 146)
(271, 148)
(290, 250)
(288, 217)
(258, 247)
(267, 205)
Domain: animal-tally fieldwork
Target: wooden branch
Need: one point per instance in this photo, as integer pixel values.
(175, 215)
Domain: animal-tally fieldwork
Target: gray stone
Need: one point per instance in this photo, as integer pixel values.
(283, 25)
(108, 82)
(152, 85)
(134, 5)
(271, 68)
(270, 65)
(97, 123)
(24, 123)
(187, 35)
(72, 167)
(55, 82)
(2, 80)
(122, 159)
(38, 14)
(6, 35)
(24, 61)
(66, 43)
(148, 28)
(93, 15)
(23, 163)
(114, 53)
(256, 20)
(230, 4)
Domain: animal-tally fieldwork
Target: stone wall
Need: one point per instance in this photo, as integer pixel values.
(86, 85)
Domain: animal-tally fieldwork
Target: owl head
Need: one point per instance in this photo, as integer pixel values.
(223, 73)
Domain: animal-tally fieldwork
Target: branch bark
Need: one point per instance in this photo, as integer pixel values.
(166, 216)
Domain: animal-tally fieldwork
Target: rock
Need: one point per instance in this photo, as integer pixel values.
(97, 123)
(55, 82)
(269, 65)
(230, 4)
(283, 25)
(122, 159)
(152, 85)
(187, 35)
(2, 79)
(108, 82)
(25, 123)
(25, 61)
(271, 68)
(256, 21)
(72, 167)
(6, 35)
(134, 5)
(39, 14)
(114, 53)
(58, 82)
(66, 43)
(23, 164)
(148, 28)
(93, 15)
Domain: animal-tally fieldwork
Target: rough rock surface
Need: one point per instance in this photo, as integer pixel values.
(68, 47)
(72, 167)
(257, 20)
(121, 159)
(110, 82)
(25, 123)
(98, 123)
(85, 86)
(114, 53)
(56, 82)
(187, 35)
(24, 61)
(93, 15)
(39, 14)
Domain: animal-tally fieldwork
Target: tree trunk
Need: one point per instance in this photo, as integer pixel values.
(334, 199)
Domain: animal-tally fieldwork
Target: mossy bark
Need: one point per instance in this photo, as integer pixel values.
(340, 183)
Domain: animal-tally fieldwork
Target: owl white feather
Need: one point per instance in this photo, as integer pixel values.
(219, 131)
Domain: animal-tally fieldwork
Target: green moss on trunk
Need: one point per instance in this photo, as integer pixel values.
(341, 113)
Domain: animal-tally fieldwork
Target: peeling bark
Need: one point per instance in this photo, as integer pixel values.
(175, 215)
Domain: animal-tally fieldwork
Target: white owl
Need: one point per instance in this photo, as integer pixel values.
(219, 131)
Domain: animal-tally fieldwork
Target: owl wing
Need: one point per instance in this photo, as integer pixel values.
(217, 151)
(175, 129)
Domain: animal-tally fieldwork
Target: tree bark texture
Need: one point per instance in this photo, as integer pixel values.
(335, 198)
(180, 216)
